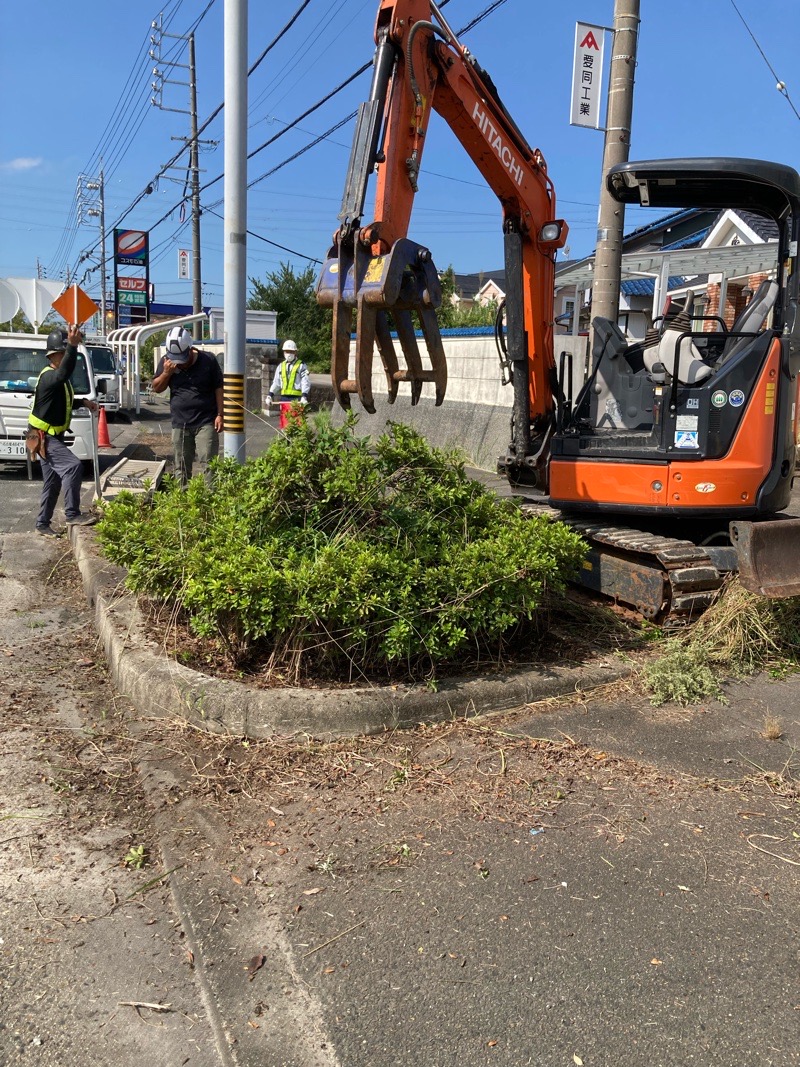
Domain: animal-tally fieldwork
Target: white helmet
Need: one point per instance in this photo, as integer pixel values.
(178, 343)
(289, 346)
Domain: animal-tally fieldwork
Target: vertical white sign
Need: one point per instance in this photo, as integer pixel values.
(587, 75)
(183, 263)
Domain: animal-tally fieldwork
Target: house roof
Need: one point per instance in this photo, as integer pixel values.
(694, 240)
(767, 229)
(469, 285)
(647, 286)
(663, 225)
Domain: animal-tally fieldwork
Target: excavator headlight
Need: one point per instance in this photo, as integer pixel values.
(551, 232)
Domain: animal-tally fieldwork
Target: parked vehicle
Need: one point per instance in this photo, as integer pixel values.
(22, 359)
(106, 369)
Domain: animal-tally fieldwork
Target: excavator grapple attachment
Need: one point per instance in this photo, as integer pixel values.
(768, 554)
(399, 283)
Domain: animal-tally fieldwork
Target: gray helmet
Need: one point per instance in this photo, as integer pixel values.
(56, 340)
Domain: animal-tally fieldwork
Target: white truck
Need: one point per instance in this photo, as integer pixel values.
(22, 359)
(107, 370)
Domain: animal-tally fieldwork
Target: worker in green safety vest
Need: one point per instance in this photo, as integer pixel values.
(51, 414)
(291, 383)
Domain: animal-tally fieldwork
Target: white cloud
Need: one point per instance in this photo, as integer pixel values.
(22, 163)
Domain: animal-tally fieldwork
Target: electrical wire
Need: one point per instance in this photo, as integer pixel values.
(188, 142)
(779, 84)
(266, 240)
(317, 140)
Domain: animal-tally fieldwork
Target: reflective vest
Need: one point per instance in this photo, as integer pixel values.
(289, 379)
(40, 424)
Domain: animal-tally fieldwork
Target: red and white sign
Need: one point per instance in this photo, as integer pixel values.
(183, 263)
(132, 285)
(587, 75)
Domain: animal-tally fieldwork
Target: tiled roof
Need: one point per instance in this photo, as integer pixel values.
(469, 285)
(694, 240)
(766, 228)
(647, 286)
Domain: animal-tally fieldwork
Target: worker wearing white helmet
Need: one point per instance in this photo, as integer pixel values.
(195, 383)
(291, 383)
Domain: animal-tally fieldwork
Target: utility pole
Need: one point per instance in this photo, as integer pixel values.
(194, 147)
(95, 208)
(100, 212)
(235, 265)
(197, 288)
(616, 148)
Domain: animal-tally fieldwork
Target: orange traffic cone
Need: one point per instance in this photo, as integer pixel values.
(103, 440)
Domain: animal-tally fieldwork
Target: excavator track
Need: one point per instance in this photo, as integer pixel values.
(667, 580)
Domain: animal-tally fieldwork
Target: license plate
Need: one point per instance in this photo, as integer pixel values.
(16, 449)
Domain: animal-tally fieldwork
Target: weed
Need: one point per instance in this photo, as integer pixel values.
(773, 730)
(328, 865)
(681, 675)
(136, 857)
(740, 634)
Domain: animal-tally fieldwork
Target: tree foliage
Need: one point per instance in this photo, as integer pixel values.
(331, 556)
(291, 295)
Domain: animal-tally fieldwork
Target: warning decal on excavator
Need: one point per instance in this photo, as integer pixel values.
(686, 439)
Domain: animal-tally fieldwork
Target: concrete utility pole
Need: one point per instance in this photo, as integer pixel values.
(611, 218)
(235, 233)
(197, 288)
(157, 100)
(100, 212)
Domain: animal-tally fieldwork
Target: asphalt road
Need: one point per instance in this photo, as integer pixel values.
(593, 881)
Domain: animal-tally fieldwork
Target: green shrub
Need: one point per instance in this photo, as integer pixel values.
(323, 555)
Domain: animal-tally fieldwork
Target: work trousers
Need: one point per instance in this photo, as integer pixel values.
(61, 468)
(194, 443)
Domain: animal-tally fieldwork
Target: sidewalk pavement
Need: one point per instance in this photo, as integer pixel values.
(596, 881)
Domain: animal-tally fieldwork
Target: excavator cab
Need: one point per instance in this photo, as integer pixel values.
(697, 422)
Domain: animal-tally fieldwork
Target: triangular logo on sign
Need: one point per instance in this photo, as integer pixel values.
(589, 41)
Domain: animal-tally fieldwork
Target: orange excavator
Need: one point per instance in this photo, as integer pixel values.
(676, 456)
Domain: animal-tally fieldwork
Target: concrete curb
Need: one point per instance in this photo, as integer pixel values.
(157, 685)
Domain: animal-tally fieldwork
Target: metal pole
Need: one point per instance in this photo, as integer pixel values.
(611, 217)
(197, 289)
(235, 235)
(103, 330)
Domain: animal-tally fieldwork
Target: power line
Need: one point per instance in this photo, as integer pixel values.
(479, 18)
(779, 85)
(187, 143)
(266, 240)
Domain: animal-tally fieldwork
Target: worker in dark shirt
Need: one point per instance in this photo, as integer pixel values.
(51, 415)
(195, 385)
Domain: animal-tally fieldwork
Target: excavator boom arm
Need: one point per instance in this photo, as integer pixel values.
(420, 66)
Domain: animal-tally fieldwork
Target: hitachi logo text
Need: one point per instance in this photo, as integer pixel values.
(504, 153)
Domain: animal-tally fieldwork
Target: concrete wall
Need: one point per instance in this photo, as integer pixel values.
(476, 414)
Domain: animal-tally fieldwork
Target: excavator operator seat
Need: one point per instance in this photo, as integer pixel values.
(691, 369)
(752, 319)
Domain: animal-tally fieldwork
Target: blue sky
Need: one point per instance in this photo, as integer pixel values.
(78, 86)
